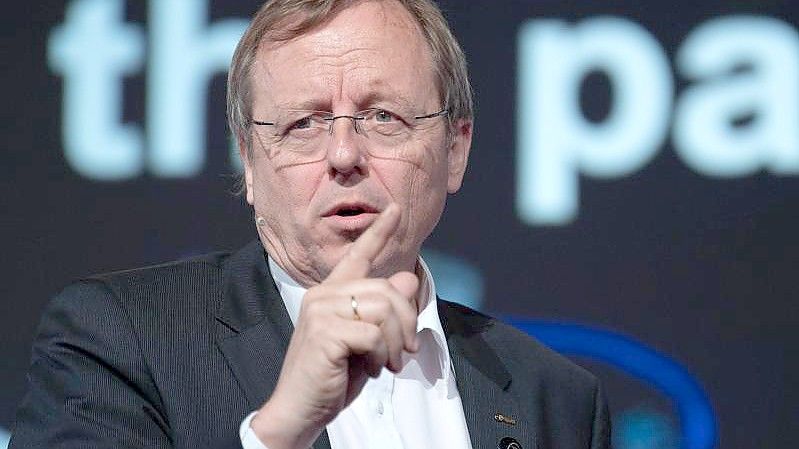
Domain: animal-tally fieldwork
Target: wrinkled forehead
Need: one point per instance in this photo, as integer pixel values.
(369, 52)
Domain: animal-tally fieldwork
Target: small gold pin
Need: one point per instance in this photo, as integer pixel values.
(499, 417)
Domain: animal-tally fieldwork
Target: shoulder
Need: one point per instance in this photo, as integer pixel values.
(171, 275)
(519, 352)
(179, 294)
(552, 392)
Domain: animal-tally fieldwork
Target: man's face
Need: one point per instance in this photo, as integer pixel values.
(372, 55)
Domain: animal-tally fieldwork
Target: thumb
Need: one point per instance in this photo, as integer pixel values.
(407, 284)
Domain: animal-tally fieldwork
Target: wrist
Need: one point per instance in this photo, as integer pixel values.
(278, 428)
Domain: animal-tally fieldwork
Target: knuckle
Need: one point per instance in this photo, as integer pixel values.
(311, 306)
(383, 307)
(373, 336)
(310, 296)
(334, 351)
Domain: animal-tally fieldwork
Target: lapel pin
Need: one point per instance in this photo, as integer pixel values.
(499, 417)
(509, 443)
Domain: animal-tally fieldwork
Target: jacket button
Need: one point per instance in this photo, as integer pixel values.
(509, 443)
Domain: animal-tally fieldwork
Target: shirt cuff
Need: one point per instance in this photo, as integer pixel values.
(248, 438)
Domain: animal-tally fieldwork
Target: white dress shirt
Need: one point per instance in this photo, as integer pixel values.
(419, 407)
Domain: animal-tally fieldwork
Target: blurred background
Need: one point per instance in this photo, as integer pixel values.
(631, 198)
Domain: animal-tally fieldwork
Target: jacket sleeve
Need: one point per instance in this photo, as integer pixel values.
(600, 433)
(88, 384)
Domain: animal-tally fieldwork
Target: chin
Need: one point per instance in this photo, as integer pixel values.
(328, 257)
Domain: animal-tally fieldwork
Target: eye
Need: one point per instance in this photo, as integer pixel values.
(303, 123)
(384, 116)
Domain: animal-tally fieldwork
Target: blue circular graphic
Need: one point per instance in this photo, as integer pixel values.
(697, 419)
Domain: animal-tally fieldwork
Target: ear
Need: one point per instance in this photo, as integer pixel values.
(458, 155)
(247, 165)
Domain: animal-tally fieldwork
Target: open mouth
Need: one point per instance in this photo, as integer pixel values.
(351, 210)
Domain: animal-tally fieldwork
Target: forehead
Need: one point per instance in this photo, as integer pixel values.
(371, 51)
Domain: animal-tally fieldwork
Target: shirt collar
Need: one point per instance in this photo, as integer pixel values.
(292, 293)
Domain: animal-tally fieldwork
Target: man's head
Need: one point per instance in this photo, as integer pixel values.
(318, 190)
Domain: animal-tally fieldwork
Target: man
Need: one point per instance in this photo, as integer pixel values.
(354, 119)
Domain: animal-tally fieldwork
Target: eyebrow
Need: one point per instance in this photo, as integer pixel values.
(370, 100)
(381, 97)
(303, 105)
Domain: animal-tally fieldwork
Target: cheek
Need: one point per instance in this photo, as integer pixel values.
(283, 195)
(406, 179)
(425, 162)
(419, 185)
(429, 175)
(425, 203)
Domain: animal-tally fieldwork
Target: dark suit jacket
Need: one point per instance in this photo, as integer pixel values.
(176, 355)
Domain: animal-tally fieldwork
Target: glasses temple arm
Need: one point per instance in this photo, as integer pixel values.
(444, 111)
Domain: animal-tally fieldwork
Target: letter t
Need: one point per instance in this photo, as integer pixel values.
(93, 50)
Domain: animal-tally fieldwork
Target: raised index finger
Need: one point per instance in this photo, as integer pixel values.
(357, 262)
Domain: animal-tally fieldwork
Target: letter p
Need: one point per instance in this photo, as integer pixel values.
(555, 141)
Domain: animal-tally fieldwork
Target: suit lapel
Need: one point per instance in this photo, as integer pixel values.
(253, 331)
(483, 382)
(253, 326)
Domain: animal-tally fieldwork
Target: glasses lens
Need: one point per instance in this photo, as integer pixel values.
(385, 132)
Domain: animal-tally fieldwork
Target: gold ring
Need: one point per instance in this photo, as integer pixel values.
(354, 305)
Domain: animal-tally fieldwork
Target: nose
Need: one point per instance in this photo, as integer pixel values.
(345, 154)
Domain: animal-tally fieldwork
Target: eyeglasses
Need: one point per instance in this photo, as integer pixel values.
(303, 132)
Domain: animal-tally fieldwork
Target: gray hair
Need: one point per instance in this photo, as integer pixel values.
(283, 20)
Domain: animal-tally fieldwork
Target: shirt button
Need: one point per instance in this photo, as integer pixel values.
(379, 407)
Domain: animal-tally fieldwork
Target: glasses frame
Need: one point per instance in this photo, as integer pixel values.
(358, 116)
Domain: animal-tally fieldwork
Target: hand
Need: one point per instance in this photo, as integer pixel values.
(332, 351)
